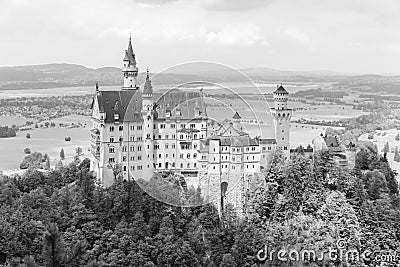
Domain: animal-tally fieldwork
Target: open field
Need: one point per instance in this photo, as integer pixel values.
(45, 140)
(11, 120)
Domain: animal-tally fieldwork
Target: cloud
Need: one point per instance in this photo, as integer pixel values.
(298, 35)
(217, 5)
(234, 5)
(241, 35)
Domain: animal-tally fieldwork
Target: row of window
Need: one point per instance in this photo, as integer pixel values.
(121, 128)
(162, 126)
(140, 138)
(172, 126)
(225, 148)
(232, 166)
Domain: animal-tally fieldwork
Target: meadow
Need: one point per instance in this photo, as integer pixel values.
(46, 140)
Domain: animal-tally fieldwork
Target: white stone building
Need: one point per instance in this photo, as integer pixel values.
(136, 133)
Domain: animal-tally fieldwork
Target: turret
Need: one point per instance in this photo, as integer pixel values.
(281, 97)
(236, 122)
(282, 116)
(148, 124)
(147, 88)
(129, 70)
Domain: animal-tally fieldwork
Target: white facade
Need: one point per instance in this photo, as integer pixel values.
(136, 134)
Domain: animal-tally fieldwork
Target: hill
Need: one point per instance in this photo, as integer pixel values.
(69, 75)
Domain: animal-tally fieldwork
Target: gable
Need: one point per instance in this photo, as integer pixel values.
(229, 131)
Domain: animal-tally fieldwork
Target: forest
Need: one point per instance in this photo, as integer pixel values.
(64, 218)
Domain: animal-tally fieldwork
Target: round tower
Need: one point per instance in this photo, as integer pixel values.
(129, 69)
(282, 116)
(148, 122)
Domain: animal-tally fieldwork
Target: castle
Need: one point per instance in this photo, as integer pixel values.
(136, 135)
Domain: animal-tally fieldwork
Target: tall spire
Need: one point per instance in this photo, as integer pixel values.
(129, 55)
(148, 88)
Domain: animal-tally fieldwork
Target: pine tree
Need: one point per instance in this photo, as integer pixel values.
(62, 154)
(386, 148)
(396, 155)
(48, 163)
(53, 247)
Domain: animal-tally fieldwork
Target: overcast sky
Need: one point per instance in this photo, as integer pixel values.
(359, 36)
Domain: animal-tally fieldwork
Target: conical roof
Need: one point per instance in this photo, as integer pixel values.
(236, 116)
(148, 88)
(281, 90)
(129, 55)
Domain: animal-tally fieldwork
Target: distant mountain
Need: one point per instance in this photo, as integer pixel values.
(68, 75)
(216, 72)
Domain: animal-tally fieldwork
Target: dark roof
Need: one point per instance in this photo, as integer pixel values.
(119, 102)
(236, 116)
(281, 90)
(234, 141)
(147, 88)
(181, 101)
(129, 55)
(188, 130)
(267, 141)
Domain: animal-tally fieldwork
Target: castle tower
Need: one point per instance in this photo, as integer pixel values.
(282, 116)
(129, 70)
(148, 122)
(237, 123)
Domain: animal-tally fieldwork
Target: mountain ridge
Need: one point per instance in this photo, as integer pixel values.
(71, 75)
